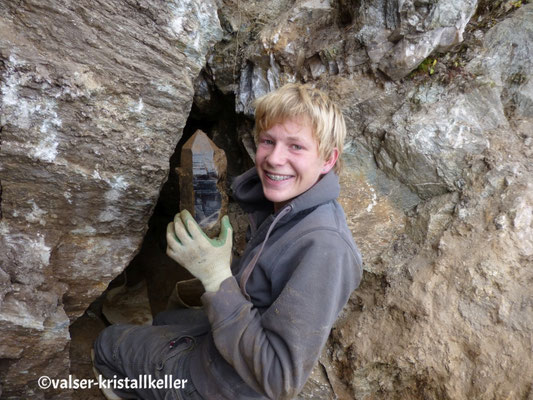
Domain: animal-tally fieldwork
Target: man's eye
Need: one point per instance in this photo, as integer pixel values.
(268, 141)
(297, 147)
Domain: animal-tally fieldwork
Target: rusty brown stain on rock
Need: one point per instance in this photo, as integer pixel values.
(372, 217)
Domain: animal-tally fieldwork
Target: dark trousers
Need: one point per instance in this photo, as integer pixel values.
(149, 353)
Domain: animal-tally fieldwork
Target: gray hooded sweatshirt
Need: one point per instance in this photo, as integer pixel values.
(270, 321)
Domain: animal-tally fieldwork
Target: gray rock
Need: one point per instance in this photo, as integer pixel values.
(243, 22)
(507, 63)
(255, 82)
(432, 137)
(285, 50)
(448, 297)
(94, 99)
(400, 35)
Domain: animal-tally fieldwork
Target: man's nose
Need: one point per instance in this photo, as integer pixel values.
(278, 155)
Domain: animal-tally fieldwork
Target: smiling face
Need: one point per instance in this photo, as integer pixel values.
(288, 162)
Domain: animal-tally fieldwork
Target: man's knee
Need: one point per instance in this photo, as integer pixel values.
(105, 347)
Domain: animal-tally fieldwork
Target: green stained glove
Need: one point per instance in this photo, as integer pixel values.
(205, 258)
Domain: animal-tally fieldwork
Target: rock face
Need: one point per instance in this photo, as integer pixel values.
(437, 187)
(438, 98)
(93, 97)
(319, 38)
(418, 30)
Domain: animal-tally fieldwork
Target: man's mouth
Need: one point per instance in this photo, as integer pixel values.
(278, 177)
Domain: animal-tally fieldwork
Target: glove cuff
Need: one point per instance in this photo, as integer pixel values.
(212, 284)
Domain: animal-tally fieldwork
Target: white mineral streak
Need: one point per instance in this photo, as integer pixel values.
(85, 231)
(189, 18)
(36, 215)
(273, 74)
(117, 182)
(46, 149)
(165, 88)
(112, 254)
(112, 197)
(32, 251)
(522, 213)
(138, 106)
(25, 112)
(19, 313)
(96, 175)
(40, 249)
(316, 4)
(374, 200)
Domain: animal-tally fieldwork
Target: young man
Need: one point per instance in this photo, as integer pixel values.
(267, 316)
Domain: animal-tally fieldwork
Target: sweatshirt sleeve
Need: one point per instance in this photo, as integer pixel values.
(274, 352)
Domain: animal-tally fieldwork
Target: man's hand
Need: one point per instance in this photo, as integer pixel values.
(207, 259)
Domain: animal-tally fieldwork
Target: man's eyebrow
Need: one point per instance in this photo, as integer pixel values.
(294, 138)
(290, 137)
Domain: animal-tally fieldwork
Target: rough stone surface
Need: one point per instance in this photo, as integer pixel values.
(94, 96)
(314, 39)
(417, 29)
(449, 297)
(437, 188)
(430, 139)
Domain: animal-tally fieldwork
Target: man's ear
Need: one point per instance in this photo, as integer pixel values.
(330, 162)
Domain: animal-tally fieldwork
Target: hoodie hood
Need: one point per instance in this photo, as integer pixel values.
(248, 192)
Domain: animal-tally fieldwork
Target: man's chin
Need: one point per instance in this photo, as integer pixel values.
(277, 197)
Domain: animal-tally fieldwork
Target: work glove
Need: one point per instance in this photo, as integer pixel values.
(205, 258)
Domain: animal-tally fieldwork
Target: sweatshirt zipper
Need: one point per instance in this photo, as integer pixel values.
(249, 268)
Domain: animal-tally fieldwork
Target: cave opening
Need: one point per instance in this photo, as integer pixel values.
(147, 282)
(218, 119)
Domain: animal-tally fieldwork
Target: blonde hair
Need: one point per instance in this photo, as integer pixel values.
(296, 100)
